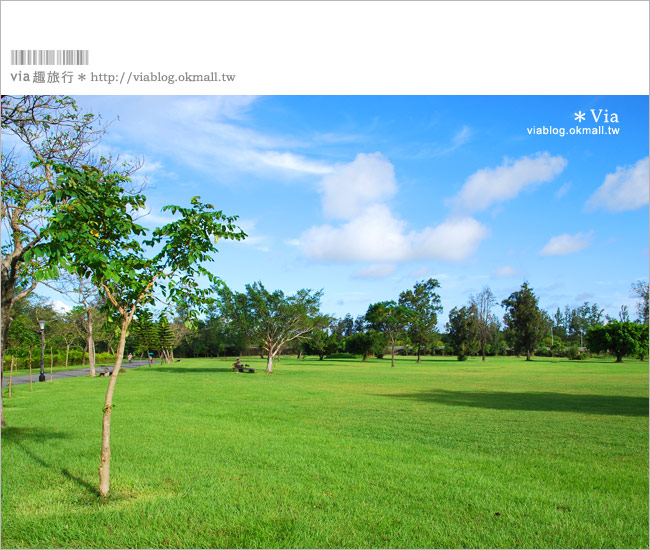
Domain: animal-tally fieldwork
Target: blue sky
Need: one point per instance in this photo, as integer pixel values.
(363, 196)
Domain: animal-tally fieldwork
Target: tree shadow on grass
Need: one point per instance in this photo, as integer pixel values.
(534, 401)
(19, 437)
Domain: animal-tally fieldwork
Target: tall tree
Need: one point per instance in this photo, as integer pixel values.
(104, 244)
(525, 324)
(640, 292)
(463, 331)
(390, 319)
(166, 340)
(482, 305)
(272, 318)
(424, 305)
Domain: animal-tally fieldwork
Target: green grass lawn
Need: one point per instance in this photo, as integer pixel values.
(338, 453)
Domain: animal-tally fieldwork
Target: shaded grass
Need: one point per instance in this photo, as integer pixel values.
(335, 454)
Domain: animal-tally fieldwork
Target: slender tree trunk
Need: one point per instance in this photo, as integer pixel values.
(269, 363)
(105, 457)
(11, 373)
(91, 343)
(31, 387)
(483, 346)
(67, 353)
(392, 353)
(419, 357)
(83, 355)
(527, 355)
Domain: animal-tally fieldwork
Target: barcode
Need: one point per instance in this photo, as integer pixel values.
(49, 57)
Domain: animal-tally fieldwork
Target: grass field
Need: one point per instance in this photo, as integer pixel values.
(338, 453)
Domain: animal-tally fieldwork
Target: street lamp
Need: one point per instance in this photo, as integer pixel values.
(41, 377)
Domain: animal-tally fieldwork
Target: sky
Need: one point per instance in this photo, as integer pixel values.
(363, 196)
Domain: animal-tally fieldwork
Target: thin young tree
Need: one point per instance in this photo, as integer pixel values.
(482, 304)
(109, 248)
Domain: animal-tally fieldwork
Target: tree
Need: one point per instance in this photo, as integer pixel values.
(463, 331)
(272, 318)
(321, 343)
(619, 338)
(424, 305)
(390, 319)
(166, 340)
(640, 292)
(145, 334)
(48, 130)
(482, 305)
(525, 324)
(104, 244)
(82, 292)
(366, 343)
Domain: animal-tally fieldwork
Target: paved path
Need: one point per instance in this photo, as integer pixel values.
(24, 378)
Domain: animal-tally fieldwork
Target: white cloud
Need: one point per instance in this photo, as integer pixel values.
(61, 307)
(625, 189)
(291, 162)
(210, 133)
(375, 235)
(566, 244)
(563, 190)
(369, 178)
(492, 185)
(454, 240)
(505, 271)
(375, 271)
(253, 237)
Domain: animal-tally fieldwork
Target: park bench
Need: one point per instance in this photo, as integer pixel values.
(243, 368)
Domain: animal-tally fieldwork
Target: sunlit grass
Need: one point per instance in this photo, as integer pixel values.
(335, 454)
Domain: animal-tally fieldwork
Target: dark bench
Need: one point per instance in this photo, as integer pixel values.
(244, 368)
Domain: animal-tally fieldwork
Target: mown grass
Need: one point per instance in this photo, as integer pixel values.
(548, 454)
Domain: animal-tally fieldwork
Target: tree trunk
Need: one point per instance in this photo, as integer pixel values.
(619, 358)
(527, 355)
(83, 355)
(419, 358)
(91, 343)
(67, 353)
(11, 373)
(392, 353)
(31, 387)
(483, 346)
(365, 357)
(269, 364)
(105, 457)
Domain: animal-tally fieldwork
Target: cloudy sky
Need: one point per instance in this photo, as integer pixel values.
(363, 196)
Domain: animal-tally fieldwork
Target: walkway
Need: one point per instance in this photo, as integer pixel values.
(24, 378)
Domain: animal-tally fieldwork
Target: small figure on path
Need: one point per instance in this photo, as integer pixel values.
(130, 358)
(237, 364)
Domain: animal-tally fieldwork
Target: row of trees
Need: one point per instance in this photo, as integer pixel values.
(274, 323)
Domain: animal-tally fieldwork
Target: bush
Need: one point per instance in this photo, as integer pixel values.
(574, 354)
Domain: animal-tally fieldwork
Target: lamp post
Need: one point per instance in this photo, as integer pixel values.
(41, 377)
